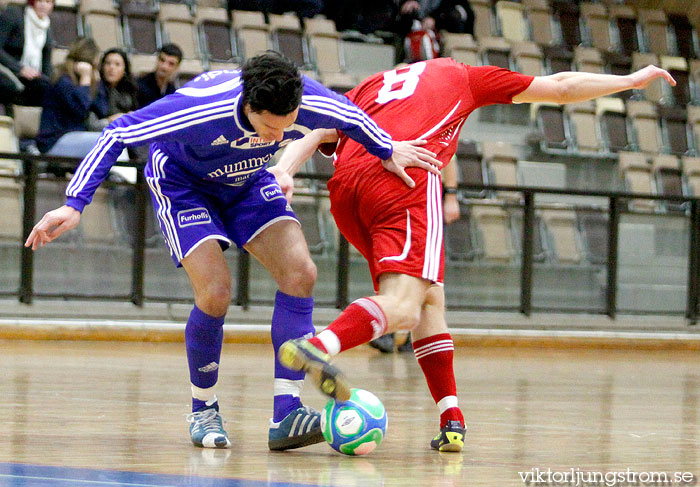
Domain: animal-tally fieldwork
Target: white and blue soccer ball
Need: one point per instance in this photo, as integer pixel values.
(356, 426)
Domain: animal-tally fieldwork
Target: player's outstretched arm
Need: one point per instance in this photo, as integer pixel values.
(571, 87)
(409, 153)
(53, 224)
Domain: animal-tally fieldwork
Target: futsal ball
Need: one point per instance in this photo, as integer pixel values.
(356, 426)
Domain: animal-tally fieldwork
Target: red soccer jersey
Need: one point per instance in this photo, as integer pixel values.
(430, 100)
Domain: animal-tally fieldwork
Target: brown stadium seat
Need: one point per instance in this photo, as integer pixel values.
(495, 51)
(595, 17)
(461, 47)
(539, 17)
(635, 172)
(11, 214)
(288, 38)
(669, 179)
(460, 242)
(612, 122)
(491, 223)
(550, 121)
(594, 233)
(567, 17)
(583, 126)
(528, 58)
(694, 72)
(694, 124)
(511, 21)
(501, 161)
(470, 169)
(621, 65)
(561, 227)
(683, 34)
(624, 22)
(101, 20)
(8, 143)
(691, 171)
(66, 26)
(139, 20)
(558, 59)
(589, 59)
(483, 18)
(645, 122)
(674, 130)
(681, 93)
(215, 37)
(655, 26)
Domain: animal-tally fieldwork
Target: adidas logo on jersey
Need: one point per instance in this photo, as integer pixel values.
(221, 140)
(209, 368)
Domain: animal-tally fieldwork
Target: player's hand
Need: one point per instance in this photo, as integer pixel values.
(409, 153)
(285, 181)
(642, 78)
(450, 209)
(54, 224)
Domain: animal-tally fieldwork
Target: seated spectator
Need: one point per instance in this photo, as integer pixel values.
(303, 8)
(365, 16)
(25, 53)
(156, 84)
(454, 16)
(116, 92)
(68, 102)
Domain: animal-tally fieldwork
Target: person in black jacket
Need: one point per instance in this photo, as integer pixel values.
(159, 83)
(25, 53)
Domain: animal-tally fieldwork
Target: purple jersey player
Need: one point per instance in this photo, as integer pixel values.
(210, 145)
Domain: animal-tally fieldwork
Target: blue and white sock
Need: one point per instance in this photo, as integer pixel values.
(290, 319)
(204, 336)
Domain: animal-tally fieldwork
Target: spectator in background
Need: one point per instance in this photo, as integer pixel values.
(303, 8)
(159, 83)
(68, 102)
(365, 16)
(25, 53)
(116, 93)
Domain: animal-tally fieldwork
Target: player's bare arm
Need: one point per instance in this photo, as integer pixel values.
(571, 87)
(52, 225)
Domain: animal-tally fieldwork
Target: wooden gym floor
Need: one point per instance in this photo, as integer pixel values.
(113, 414)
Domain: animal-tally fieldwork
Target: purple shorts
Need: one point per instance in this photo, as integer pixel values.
(191, 211)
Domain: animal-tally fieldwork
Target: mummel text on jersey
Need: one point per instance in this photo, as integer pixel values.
(202, 129)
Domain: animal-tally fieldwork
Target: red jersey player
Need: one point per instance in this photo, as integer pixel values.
(398, 227)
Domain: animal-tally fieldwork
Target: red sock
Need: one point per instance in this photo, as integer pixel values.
(361, 322)
(434, 356)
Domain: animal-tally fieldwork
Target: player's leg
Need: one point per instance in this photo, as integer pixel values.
(396, 307)
(434, 351)
(282, 250)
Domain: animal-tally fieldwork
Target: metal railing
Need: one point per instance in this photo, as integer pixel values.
(615, 206)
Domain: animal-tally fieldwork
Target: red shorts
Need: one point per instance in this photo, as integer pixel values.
(396, 228)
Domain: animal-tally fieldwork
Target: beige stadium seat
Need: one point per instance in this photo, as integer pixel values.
(669, 179)
(11, 214)
(324, 42)
(681, 93)
(178, 27)
(612, 123)
(589, 59)
(654, 91)
(691, 170)
(363, 59)
(655, 26)
(495, 51)
(142, 63)
(539, 17)
(8, 143)
(582, 122)
(215, 35)
(101, 20)
(461, 47)
(251, 32)
(528, 58)
(645, 122)
(561, 225)
(339, 82)
(511, 21)
(492, 226)
(595, 17)
(288, 38)
(501, 161)
(483, 18)
(694, 122)
(27, 120)
(97, 222)
(635, 172)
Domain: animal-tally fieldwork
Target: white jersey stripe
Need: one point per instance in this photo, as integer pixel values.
(215, 115)
(104, 143)
(348, 110)
(436, 245)
(168, 214)
(164, 212)
(155, 186)
(406, 246)
(229, 85)
(441, 122)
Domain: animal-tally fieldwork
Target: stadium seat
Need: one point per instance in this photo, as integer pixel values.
(567, 18)
(27, 121)
(635, 172)
(461, 47)
(495, 51)
(541, 250)
(561, 227)
(460, 242)
(338, 82)
(681, 93)
(645, 123)
(674, 130)
(655, 27)
(324, 42)
(483, 18)
(594, 233)
(694, 72)
(362, 59)
(551, 124)
(66, 25)
(612, 123)
(307, 211)
(691, 170)
(97, 222)
(558, 59)
(491, 223)
(8, 143)
(178, 27)
(583, 126)
(511, 21)
(58, 55)
(528, 58)
(621, 65)
(669, 179)
(252, 34)
(595, 17)
(682, 31)
(626, 34)
(501, 160)
(11, 214)
(543, 175)
(216, 38)
(288, 38)
(50, 194)
(139, 21)
(588, 59)
(539, 18)
(101, 20)
(653, 92)
(694, 124)
(470, 169)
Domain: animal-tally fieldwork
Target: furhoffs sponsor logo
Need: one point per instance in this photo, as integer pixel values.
(194, 216)
(271, 192)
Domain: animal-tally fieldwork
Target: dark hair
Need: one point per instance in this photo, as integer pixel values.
(126, 84)
(171, 50)
(271, 82)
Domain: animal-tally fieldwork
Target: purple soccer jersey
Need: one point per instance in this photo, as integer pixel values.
(205, 154)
